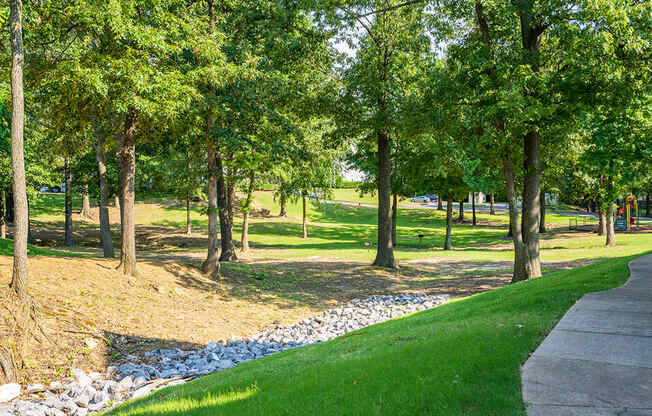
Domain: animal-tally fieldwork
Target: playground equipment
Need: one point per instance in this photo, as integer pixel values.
(627, 214)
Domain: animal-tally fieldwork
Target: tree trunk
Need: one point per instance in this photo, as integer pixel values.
(224, 205)
(86, 203)
(460, 217)
(542, 220)
(611, 232)
(68, 202)
(210, 265)
(116, 201)
(303, 215)
(105, 225)
(492, 208)
(188, 224)
(283, 201)
(449, 221)
(514, 223)
(527, 262)
(648, 208)
(475, 221)
(244, 240)
(602, 223)
(440, 205)
(19, 279)
(385, 249)
(394, 219)
(531, 204)
(127, 195)
(3, 225)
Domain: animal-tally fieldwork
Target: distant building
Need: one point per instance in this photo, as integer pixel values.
(480, 198)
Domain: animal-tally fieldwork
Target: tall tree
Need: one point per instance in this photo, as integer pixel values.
(19, 281)
(386, 42)
(105, 225)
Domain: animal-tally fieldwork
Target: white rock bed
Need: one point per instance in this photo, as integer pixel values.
(160, 368)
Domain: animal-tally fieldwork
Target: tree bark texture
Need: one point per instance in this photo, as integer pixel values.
(225, 211)
(531, 31)
(86, 203)
(611, 232)
(128, 196)
(244, 239)
(68, 237)
(602, 223)
(460, 217)
(440, 205)
(475, 220)
(385, 249)
(531, 204)
(210, 265)
(449, 222)
(492, 208)
(105, 225)
(284, 211)
(19, 279)
(514, 223)
(303, 215)
(394, 219)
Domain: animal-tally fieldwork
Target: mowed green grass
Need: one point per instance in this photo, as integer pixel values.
(462, 358)
(339, 231)
(7, 249)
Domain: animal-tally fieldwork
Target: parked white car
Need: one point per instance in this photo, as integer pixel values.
(421, 198)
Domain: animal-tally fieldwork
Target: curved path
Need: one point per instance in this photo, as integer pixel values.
(598, 359)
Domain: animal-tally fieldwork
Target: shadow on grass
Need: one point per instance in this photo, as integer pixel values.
(314, 283)
(466, 354)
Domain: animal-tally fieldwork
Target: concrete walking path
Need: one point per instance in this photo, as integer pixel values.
(598, 359)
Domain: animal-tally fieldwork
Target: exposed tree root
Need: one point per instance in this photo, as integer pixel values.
(20, 321)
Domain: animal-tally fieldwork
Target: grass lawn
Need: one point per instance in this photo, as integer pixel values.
(462, 358)
(7, 249)
(340, 232)
(283, 278)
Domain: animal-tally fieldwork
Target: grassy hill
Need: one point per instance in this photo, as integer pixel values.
(462, 358)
